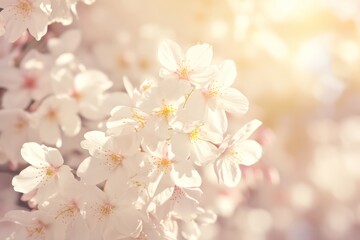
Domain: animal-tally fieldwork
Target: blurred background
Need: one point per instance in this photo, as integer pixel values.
(298, 63)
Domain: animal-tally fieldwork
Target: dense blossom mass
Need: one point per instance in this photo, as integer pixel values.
(148, 152)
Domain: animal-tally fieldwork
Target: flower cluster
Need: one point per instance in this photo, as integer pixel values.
(49, 96)
(17, 16)
(147, 161)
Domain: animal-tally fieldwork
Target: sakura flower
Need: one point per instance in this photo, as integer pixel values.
(86, 89)
(193, 66)
(182, 203)
(33, 225)
(57, 113)
(20, 15)
(30, 82)
(235, 151)
(163, 102)
(109, 156)
(67, 208)
(45, 171)
(196, 141)
(111, 215)
(219, 94)
(15, 129)
(211, 102)
(191, 229)
(170, 170)
(126, 120)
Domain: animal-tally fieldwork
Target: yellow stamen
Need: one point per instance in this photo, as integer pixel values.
(36, 231)
(67, 211)
(50, 171)
(140, 119)
(52, 114)
(167, 110)
(105, 210)
(184, 73)
(194, 134)
(164, 164)
(117, 159)
(24, 7)
(20, 124)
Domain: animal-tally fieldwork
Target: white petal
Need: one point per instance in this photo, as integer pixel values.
(93, 81)
(28, 179)
(53, 156)
(185, 175)
(217, 120)
(233, 101)
(70, 124)
(203, 152)
(245, 132)
(34, 154)
(228, 172)
(199, 55)
(92, 171)
(127, 145)
(180, 145)
(38, 24)
(248, 152)
(170, 55)
(94, 140)
(228, 72)
(202, 76)
(16, 99)
(49, 132)
(128, 223)
(14, 27)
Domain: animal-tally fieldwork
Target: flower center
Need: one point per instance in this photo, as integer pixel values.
(67, 212)
(36, 232)
(140, 120)
(194, 135)
(177, 195)
(24, 7)
(105, 210)
(52, 114)
(167, 110)
(50, 171)
(164, 164)
(116, 159)
(30, 82)
(75, 94)
(183, 70)
(20, 124)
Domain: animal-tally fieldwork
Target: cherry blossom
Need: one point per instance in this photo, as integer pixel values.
(20, 15)
(193, 66)
(86, 88)
(33, 225)
(109, 155)
(57, 113)
(170, 170)
(45, 171)
(235, 151)
(29, 82)
(15, 128)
